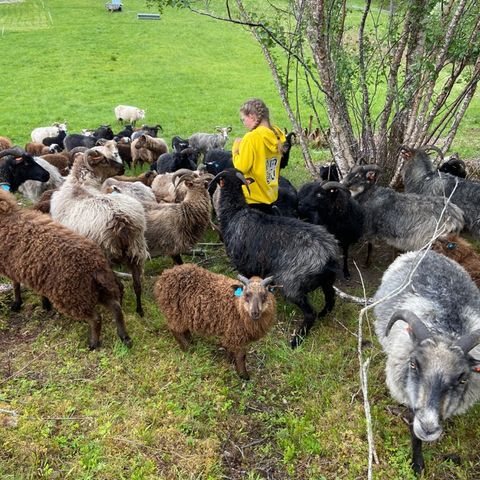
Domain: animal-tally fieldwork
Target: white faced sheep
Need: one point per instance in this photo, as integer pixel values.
(66, 268)
(429, 331)
(194, 300)
(129, 114)
(175, 228)
(115, 222)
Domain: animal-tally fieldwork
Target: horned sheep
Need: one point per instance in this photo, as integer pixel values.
(206, 141)
(432, 366)
(195, 300)
(115, 222)
(79, 278)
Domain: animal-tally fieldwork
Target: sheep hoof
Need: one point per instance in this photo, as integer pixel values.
(296, 341)
(15, 306)
(93, 345)
(127, 341)
(244, 376)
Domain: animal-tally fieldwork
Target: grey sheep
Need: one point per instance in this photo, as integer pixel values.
(429, 331)
(403, 220)
(206, 141)
(420, 176)
(66, 268)
(194, 300)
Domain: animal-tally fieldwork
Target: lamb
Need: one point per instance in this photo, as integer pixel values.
(206, 141)
(16, 167)
(420, 176)
(76, 140)
(38, 134)
(79, 278)
(403, 220)
(432, 367)
(147, 149)
(37, 149)
(146, 178)
(286, 147)
(171, 162)
(330, 204)
(194, 300)
(33, 189)
(287, 201)
(458, 249)
(174, 228)
(60, 161)
(127, 113)
(115, 222)
(56, 139)
(146, 130)
(301, 257)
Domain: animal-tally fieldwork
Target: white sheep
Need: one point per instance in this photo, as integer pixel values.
(126, 113)
(116, 222)
(38, 134)
(195, 300)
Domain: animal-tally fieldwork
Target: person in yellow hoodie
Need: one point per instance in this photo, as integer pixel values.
(257, 155)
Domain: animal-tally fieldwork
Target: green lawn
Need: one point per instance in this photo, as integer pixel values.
(154, 412)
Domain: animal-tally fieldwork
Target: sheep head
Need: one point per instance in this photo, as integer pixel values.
(361, 177)
(254, 294)
(103, 161)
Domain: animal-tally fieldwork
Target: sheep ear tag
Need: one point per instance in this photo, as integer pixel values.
(237, 290)
(5, 186)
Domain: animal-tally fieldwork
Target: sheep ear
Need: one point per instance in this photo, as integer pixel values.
(94, 158)
(229, 129)
(371, 176)
(250, 180)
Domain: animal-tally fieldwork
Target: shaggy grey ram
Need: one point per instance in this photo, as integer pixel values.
(431, 365)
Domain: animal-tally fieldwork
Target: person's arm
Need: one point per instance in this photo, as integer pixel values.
(243, 161)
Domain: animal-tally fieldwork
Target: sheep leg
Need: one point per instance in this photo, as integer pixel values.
(177, 259)
(369, 254)
(17, 303)
(308, 320)
(240, 367)
(95, 323)
(120, 323)
(46, 304)
(418, 463)
(329, 295)
(183, 339)
(346, 273)
(137, 285)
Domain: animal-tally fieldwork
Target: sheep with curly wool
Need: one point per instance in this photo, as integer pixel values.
(301, 257)
(68, 269)
(115, 222)
(195, 300)
(175, 228)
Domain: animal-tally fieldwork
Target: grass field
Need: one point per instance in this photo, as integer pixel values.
(154, 412)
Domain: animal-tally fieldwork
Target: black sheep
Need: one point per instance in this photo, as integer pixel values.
(171, 162)
(331, 204)
(287, 201)
(217, 160)
(301, 257)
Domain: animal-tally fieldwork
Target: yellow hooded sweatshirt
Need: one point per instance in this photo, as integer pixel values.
(257, 156)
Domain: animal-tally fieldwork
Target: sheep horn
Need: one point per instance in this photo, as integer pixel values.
(243, 279)
(15, 151)
(469, 341)
(328, 185)
(183, 178)
(434, 148)
(266, 281)
(179, 173)
(240, 175)
(417, 328)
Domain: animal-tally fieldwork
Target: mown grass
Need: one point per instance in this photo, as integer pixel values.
(154, 412)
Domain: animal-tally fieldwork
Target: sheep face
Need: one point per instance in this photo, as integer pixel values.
(255, 296)
(360, 178)
(436, 382)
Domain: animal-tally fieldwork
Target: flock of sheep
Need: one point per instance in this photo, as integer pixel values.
(89, 216)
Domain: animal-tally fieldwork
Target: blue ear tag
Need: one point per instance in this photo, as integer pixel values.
(238, 292)
(451, 245)
(5, 186)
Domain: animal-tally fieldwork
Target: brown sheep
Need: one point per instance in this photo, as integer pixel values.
(36, 149)
(60, 161)
(146, 149)
(146, 178)
(195, 300)
(458, 249)
(5, 143)
(68, 269)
